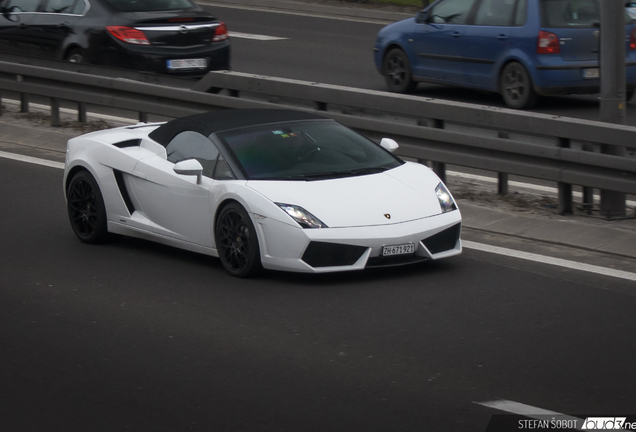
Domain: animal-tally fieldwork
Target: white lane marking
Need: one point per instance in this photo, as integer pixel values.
(526, 410)
(32, 160)
(550, 260)
(255, 36)
(530, 186)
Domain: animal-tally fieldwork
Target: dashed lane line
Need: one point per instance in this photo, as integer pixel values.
(258, 37)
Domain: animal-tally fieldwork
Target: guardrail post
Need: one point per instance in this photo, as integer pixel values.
(566, 204)
(24, 102)
(81, 112)
(502, 183)
(439, 168)
(588, 192)
(320, 106)
(55, 112)
(502, 178)
(143, 117)
(0, 103)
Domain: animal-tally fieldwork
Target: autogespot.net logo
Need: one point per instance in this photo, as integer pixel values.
(607, 423)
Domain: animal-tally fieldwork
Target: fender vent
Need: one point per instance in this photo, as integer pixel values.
(121, 185)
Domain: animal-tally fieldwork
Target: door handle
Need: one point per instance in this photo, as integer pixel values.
(456, 34)
(502, 37)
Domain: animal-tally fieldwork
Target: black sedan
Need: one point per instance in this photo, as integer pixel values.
(164, 36)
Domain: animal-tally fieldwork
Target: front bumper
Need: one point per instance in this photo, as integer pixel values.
(284, 247)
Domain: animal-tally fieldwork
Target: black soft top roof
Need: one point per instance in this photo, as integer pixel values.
(217, 121)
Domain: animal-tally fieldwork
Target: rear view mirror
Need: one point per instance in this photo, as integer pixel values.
(7, 12)
(189, 167)
(389, 144)
(422, 17)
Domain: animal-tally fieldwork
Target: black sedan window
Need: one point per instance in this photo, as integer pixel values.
(150, 5)
(22, 5)
(65, 6)
(306, 151)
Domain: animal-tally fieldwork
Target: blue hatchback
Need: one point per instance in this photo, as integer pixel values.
(518, 48)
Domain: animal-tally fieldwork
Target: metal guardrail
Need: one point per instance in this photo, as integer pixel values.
(504, 141)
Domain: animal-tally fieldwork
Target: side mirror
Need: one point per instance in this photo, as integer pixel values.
(389, 144)
(422, 17)
(189, 167)
(7, 12)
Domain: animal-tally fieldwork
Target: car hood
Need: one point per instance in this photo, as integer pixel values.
(404, 193)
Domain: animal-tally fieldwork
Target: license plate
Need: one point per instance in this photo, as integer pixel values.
(402, 249)
(590, 73)
(187, 64)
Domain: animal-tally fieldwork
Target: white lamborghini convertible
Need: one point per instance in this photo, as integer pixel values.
(278, 189)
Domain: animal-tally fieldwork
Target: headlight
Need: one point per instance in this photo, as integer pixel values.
(302, 216)
(445, 199)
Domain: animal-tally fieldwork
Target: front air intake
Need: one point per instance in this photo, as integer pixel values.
(443, 240)
(321, 254)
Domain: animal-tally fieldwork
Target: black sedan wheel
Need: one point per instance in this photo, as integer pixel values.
(75, 56)
(86, 210)
(397, 72)
(516, 87)
(236, 242)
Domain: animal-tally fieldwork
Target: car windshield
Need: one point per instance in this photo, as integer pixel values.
(150, 5)
(312, 150)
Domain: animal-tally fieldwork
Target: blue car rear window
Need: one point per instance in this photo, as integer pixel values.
(570, 13)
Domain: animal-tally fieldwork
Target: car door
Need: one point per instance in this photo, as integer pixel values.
(492, 35)
(178, 206)
(16, 32)
(440, 41)
(55, 24)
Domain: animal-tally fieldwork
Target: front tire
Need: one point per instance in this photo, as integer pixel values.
(515, 86)
(397, 72)
(86, 209)
(236, 242)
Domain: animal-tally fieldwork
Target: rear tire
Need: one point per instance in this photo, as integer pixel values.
(515, 86)
(75, 56)
(397, 72)
(86, 209)
(236, 242)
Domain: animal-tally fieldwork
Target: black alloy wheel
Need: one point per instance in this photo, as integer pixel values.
(86, 210)
(397, 72)
(236, 242)
(516, 87)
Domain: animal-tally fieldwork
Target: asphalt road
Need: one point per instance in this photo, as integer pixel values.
(340, 52)
(137, 336)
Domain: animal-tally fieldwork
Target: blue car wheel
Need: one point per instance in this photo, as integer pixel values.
(397, 72)
(516, 87)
